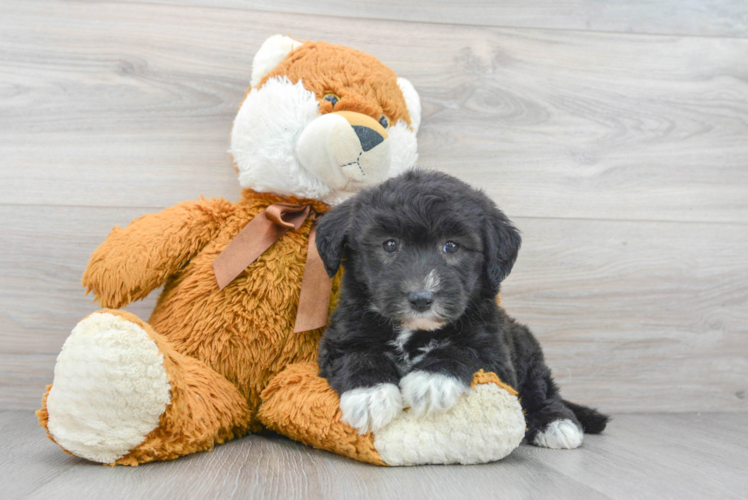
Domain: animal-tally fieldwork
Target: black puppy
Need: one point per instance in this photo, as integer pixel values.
(424, 255)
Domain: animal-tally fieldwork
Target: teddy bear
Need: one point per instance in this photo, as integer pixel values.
(231, 344)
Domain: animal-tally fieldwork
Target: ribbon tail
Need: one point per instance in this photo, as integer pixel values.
(255, 238)
(316, 289)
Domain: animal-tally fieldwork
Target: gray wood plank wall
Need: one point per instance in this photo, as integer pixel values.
(614, 134)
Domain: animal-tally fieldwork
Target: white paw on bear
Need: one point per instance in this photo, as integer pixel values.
(371, 408)
(428, 393)
(560, 434)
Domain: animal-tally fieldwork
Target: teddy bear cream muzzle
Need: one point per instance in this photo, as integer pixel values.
(345, 150)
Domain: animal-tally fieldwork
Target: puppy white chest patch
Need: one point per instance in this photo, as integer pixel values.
(402, 356)
(402, 338)
(433, 344)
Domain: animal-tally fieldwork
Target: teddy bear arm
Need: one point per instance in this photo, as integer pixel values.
(134, 260)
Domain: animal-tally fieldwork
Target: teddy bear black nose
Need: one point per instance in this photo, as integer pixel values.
(421, 301)
(369, 137)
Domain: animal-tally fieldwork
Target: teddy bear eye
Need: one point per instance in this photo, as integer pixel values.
(384, 121)
(390, 246)
(451, 247)
(331, 98)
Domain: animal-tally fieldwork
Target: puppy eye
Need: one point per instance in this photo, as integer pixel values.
(451, 247)
(331, 98)
(390, 246)
(384, 121)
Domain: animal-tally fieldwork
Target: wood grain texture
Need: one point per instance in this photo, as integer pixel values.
(716, 17)
(43, 253)
(640, 456)
(633, 316)
(622, 157)
(132, 104)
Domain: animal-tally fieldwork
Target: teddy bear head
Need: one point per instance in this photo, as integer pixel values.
(322, 121)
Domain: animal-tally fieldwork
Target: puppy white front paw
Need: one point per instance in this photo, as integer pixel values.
(428, 393)
(371, 408)
(560, 434)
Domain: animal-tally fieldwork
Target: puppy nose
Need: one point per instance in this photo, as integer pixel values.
(369, 137)
(421, 301)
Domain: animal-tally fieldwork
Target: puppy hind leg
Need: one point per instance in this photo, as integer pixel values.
(550, 423)
(593, 422)
(555, 426)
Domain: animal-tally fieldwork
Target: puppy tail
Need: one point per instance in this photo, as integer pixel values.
(593, 422)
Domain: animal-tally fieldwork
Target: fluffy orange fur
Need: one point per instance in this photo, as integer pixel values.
(205, 409)
(325, 69)
(221, 347)
(300, 404)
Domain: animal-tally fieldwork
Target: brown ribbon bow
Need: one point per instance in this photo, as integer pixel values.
(259, 235)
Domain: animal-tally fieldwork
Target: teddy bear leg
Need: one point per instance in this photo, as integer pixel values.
(486, 424)
(301, 405)
(122, 395)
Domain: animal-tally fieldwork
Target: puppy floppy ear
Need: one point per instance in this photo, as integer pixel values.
(501, 246)
(332, 231)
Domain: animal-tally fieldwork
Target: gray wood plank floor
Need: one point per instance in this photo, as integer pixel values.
(641, 456)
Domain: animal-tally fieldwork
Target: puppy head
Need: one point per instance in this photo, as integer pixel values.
(421, 247)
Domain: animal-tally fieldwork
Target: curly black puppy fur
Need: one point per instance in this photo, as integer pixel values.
(424, 257)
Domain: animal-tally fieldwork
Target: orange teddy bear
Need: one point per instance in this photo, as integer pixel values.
(222, 353)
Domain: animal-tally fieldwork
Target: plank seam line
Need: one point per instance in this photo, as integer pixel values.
(437, 23)
(512, 217)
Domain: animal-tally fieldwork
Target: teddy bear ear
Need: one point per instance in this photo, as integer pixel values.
(412, 101)
(270, 55)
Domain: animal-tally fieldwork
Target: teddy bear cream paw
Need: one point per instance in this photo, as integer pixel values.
(485, 424)
(110, 389)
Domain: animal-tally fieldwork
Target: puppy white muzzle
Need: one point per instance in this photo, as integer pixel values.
(346, 150)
